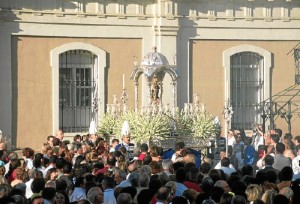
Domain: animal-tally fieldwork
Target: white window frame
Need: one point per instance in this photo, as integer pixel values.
(101, 65)
(267, 66)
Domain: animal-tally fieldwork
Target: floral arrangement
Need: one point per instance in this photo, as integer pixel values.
(203, 125)
(145, 127)
(107, 124)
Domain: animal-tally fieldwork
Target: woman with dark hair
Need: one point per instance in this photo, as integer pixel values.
(78, 161)
(28, 153)
(20, 175)
(51, 175)
(226, 198)
(61, 197)
(13, 165)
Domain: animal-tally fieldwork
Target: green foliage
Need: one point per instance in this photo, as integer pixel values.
(107, 124)
(203, 125)
(144, 127)
(183, 123)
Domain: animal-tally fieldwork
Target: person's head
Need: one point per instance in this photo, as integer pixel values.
(225, 162)
(247, 170)
(230, 133)
(144, 147)
(60, 135)
(238, 200)
(226, 198)
(80, 182)
(50, 184)
(50, 140)
(205, 167)
(155, 167)
(20, 173)
(223, 184)
(12, 156)
(61, 197)
(95, 195)
(163, 194)
(93, 138)
(280, 148)
(155, 184)
(51, 174)
(3, 146)
(108, 183)
(288, 136)
(269, 160)
(238, 136)
(134, 179)
(37, 200)
(53, 159)
(114, 143)
(124, 198)
(179, 200)
(37, 185)
(298, 149)
(120, 176)
(268, 196)
(190, 195)
(286, 174)
(166, 165)
(28, 152)
(144, 180)
(61, 184)
(126, 139)
(215, 174)
(77, 138)
(297, 140)
(67, 168)
(280, 199)
(111, 160)
(271, 176)
(253, 192)
(275, 138)
(49, 194)
(278, 132)
(83, 201)
(179, 146)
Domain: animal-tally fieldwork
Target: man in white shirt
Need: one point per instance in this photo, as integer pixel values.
(163, 195)
(225, 166)
(296, 160)
(258, 137)
(79, 190)
(108, 187)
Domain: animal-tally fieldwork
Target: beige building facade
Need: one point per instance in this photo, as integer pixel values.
(222, 50)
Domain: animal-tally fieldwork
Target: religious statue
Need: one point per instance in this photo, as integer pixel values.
(155, 90)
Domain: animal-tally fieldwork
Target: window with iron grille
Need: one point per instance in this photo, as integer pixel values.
(246, 88)
(76, 86)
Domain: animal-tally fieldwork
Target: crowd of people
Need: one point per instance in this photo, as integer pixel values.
(263, 169)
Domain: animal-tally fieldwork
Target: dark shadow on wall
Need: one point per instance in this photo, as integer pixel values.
(187, 32)
(105, 100)
(9, 25)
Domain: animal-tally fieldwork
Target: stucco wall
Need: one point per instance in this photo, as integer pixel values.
(208, 72)
(32, 81)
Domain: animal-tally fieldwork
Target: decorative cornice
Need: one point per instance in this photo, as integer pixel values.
(166, 30)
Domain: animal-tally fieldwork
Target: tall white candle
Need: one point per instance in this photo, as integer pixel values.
(123, 81)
